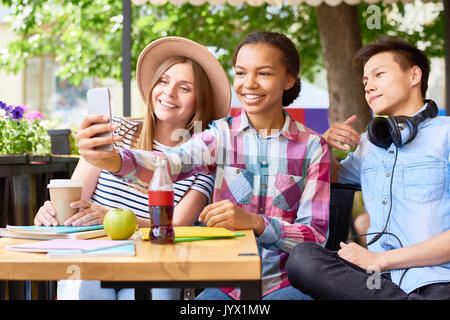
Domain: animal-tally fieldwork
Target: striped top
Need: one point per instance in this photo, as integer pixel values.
(114, 193)
(284, 177)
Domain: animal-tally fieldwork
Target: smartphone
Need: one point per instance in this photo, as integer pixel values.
(99, 102)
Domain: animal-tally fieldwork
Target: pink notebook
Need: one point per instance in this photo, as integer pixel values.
(68, 244)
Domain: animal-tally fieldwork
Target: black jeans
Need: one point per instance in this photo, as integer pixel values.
(322, 274)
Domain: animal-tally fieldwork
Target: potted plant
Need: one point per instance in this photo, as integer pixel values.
(22, 134)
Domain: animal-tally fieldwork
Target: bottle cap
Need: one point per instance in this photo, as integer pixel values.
(160, 162)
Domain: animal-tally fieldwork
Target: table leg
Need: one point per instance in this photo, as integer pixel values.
(251, 290)
(142, 294)
(2, 290)
(45, 290)
(17, 290)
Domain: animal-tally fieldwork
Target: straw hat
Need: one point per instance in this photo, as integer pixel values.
(159, 50)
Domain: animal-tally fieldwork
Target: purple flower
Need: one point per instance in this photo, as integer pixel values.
(9, 109)
(2, 105)
(17, 113)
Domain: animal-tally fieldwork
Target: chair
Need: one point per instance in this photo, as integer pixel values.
(341, 204)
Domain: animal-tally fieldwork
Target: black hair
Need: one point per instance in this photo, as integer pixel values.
(405, 54)
(291, 57)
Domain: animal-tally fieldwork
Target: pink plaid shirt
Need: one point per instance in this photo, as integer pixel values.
(283, 176)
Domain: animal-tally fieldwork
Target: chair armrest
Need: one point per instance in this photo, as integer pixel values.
(340, 220)
(344, 186)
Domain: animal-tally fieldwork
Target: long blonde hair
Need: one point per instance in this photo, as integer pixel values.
(145, 133)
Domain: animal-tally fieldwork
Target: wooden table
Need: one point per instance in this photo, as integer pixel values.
(208, 263)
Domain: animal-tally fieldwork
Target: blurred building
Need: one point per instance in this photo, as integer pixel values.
(38, 87)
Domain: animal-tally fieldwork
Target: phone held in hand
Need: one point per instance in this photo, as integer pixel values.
(99, 102)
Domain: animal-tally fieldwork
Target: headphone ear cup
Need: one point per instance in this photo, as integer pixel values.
(394, 131)
(379, 132)
(398, 130)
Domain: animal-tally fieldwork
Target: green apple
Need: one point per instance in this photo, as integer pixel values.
(120, 224)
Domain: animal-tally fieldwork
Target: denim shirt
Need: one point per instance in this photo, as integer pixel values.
(420, 194)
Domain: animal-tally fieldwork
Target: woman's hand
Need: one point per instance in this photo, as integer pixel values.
(46, 216)
(226, 214)
(91, 126)
(89, 214)
(341, 135)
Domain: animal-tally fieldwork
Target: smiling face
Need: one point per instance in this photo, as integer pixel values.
(261, 78)
(173, 96)
(388, 87)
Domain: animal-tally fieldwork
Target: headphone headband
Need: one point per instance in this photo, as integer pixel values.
(431, 111)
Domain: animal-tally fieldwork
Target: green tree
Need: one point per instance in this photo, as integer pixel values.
(84, 37)
(345, 28)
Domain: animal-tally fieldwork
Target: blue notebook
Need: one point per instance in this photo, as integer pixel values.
(49, 233)
(52, 230)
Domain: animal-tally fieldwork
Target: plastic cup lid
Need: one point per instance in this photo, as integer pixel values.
(64, 183)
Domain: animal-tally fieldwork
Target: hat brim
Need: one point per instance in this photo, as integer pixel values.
(159, 50)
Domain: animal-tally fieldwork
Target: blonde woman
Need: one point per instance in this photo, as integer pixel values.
(184, 88)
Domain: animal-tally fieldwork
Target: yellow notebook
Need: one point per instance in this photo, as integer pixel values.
(196, 233)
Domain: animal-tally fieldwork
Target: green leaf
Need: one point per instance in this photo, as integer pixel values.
(85, 36)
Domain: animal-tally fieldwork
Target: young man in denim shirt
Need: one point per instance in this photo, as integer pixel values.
(405, 181)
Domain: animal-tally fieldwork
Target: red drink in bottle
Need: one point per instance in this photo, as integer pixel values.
(160, 203)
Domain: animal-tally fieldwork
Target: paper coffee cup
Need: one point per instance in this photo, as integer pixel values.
(62, 193)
